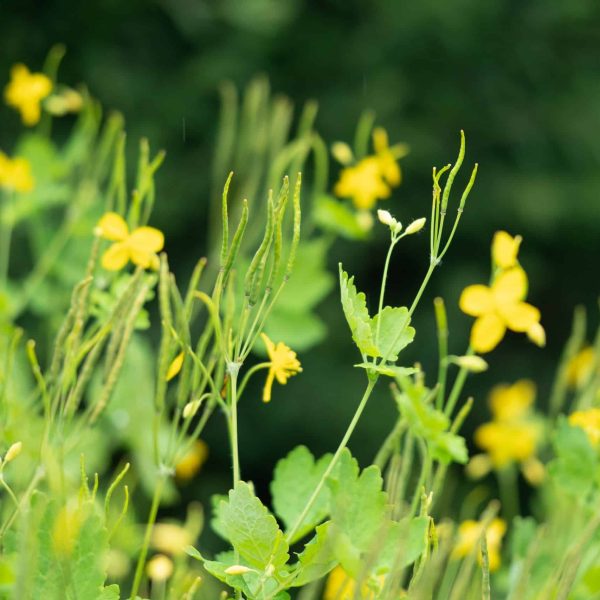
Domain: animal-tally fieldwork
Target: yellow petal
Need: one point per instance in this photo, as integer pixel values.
(113, 227)
(269, 344)
(510, 286)
(505, 249)
(476, 300)
(116, 257)
(380, 139)
(521, 316)
(537, 334)
(147, 239)
(175, 366)
(487, 332)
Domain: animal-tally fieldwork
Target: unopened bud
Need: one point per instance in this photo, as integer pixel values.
(13, 452)
(385, 217)
(342, 153)
(416, 226)
(160, 568)
(365, 220)
(474, 364)
(237, 570)
(479, 466)
(191, 408)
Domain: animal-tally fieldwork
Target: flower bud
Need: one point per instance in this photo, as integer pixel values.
(13, 452)
(416, 226)
(342, 153)
(474, 364)
(160, 568)
(385, 217)
(237, 570)
(191, 408)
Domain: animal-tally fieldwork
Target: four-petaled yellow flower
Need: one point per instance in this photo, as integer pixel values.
(469, 538)
(25, 92)
(505, 248)
(140, 246)
(372, 178)
(15, 174)
(513, 434)
(499, 307)
(589, 421)
(283, 363)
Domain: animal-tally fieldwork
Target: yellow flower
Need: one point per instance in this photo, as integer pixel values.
(175, 366)
(26, 91)
(192, 461)
(469, 536)
(388, 157)
(15, 174)
(363, 183)
(340, 586)
(140, 246)
(497, 308)
(580, 367)
(512, 435)
(283, 364)
(170, 538)
(589, 421)
(512, 402)
(505, 248)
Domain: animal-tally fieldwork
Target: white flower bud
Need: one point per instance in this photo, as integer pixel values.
(237, 570)
(342, 153)
(416, 226)
(385, 217)
(191, 408)
(474, 364)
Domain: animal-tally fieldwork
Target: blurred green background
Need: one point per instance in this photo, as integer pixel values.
(521, 78)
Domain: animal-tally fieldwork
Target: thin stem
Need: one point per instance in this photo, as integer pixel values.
(457, 388)
(383, 284)
(372, 381)
(442, 335)
(389, 444)
(509, 492)
(8, 490)
(139, 570)
(6, 228)
(249, 373)
(233, 370)
(423, 477)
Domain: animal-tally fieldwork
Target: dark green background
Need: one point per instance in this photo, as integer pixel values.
(522, 78)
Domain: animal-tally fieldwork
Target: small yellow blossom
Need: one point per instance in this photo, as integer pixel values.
(159, 568)
(363, 183)
(497, 308)
(13, 452)
(140, 246)
(388, 156)
(283, 364)
(580, 367)
(170, 538)
(469, 536)
(512, 402)
(15, 174)
(26, 91)
(512, 435)
(589, 421)
(340, 586)
(192, 461)
(175, 366)
(505, 248)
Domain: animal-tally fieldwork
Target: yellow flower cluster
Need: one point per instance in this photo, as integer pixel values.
(372, 178)
(283, 364)
(25, 92)
(340, 586)
(513, 434)
(15, 174)
(589, 421)
(469, 536)
(501, 305)
(139, 246)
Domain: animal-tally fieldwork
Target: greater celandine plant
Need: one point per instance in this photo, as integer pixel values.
(335, 531)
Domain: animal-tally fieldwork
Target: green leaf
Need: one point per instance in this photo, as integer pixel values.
(295, 479)
(216, 522)
(575, 460)
(300, 331)
(253, 530)
(357, 501)
(394, 332)
(111, 592)
(317, 558)
(355, 309)
(333, 215)
(405, 541)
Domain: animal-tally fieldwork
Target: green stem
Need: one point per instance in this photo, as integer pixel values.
(389, 444)
(383, 284)
(8, 490)
(249, 373)
(372, 381)
(233, 370)
(442, 335)
(423, 477)
(457, 388)
(509, 492)
(5, 237)
(139, 570)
